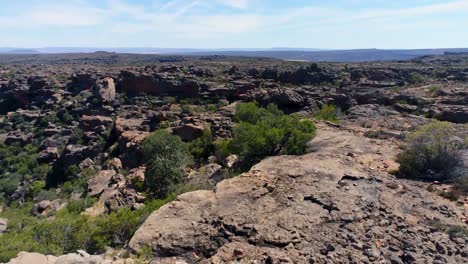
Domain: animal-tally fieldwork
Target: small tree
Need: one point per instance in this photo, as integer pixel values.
(431, 153)
(165, 156)
(263, 132)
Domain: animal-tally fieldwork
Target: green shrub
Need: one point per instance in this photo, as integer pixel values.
(165, 156)
(77, 136)
(211, 108)
(35, 188)
(263, 132)
(79, 206)
(19, 164)
(202, 147)
(457, 231)
(222, 147)
(72, 172)
(70, 231)
(461, 183)
(431, 153)
(169, 100)
(416, 78)
(329, 113)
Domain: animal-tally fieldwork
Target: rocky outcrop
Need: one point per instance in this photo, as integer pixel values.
(73, 258)
(104, 90)
(48, 155)
(130, 148)
(452, 113)
(74, 155)
(286, 99)
(157, 84)
(115, 190)
(46, 207)
(100, 182)
(207, 176)
(188, 132)
(335, 204)
(26, 258)
(17, 137)
(98, 124)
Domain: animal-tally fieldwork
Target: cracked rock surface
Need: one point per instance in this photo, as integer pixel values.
(336, 204)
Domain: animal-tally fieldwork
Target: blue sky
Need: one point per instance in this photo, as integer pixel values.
(339, 24)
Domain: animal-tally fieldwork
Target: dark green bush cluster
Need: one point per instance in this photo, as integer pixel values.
(202, 147)
(432, 153)
(71, 231)
(165, 156)
(20, 164)
(263, 132)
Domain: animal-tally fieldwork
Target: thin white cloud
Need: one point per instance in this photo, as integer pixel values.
(201, 18)
(55, 16)
(241, 4)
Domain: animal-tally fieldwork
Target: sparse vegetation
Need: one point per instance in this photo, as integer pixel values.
(71, 231)
(329, 113)
(202, 147)
(432, 153)
(416, 78)
(263, 132)
(165, 156)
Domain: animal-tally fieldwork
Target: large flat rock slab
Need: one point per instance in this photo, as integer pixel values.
(336, 204)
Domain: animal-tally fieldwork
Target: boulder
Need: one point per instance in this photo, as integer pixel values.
(80, 257)
(116, 191)
(36, 258)
(48, 155)
(45, 207)
(100, 182)
(286, 98)
(188, 132)
(231, 161)
(98, 124)
(207, 176)
(82, 81)
(452, 113)
(104, 90)
(129, 145)
(41, 207)
(15, 137)
(405, 108)
(114, 164)
(128, 124)
(3, 225)
(74, 155)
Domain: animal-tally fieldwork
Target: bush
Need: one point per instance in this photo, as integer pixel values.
(70, 231)
(431, 153)
(415, 78)
(263, 132)
(202, 147)
(165, 156)
(329, 113)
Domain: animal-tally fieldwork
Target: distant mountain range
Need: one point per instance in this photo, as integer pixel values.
(302, 54)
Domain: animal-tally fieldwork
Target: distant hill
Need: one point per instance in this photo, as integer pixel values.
(284, 53)
(338, 55)
(19, 51)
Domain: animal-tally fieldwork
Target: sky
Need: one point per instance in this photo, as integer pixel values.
(338, 24)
